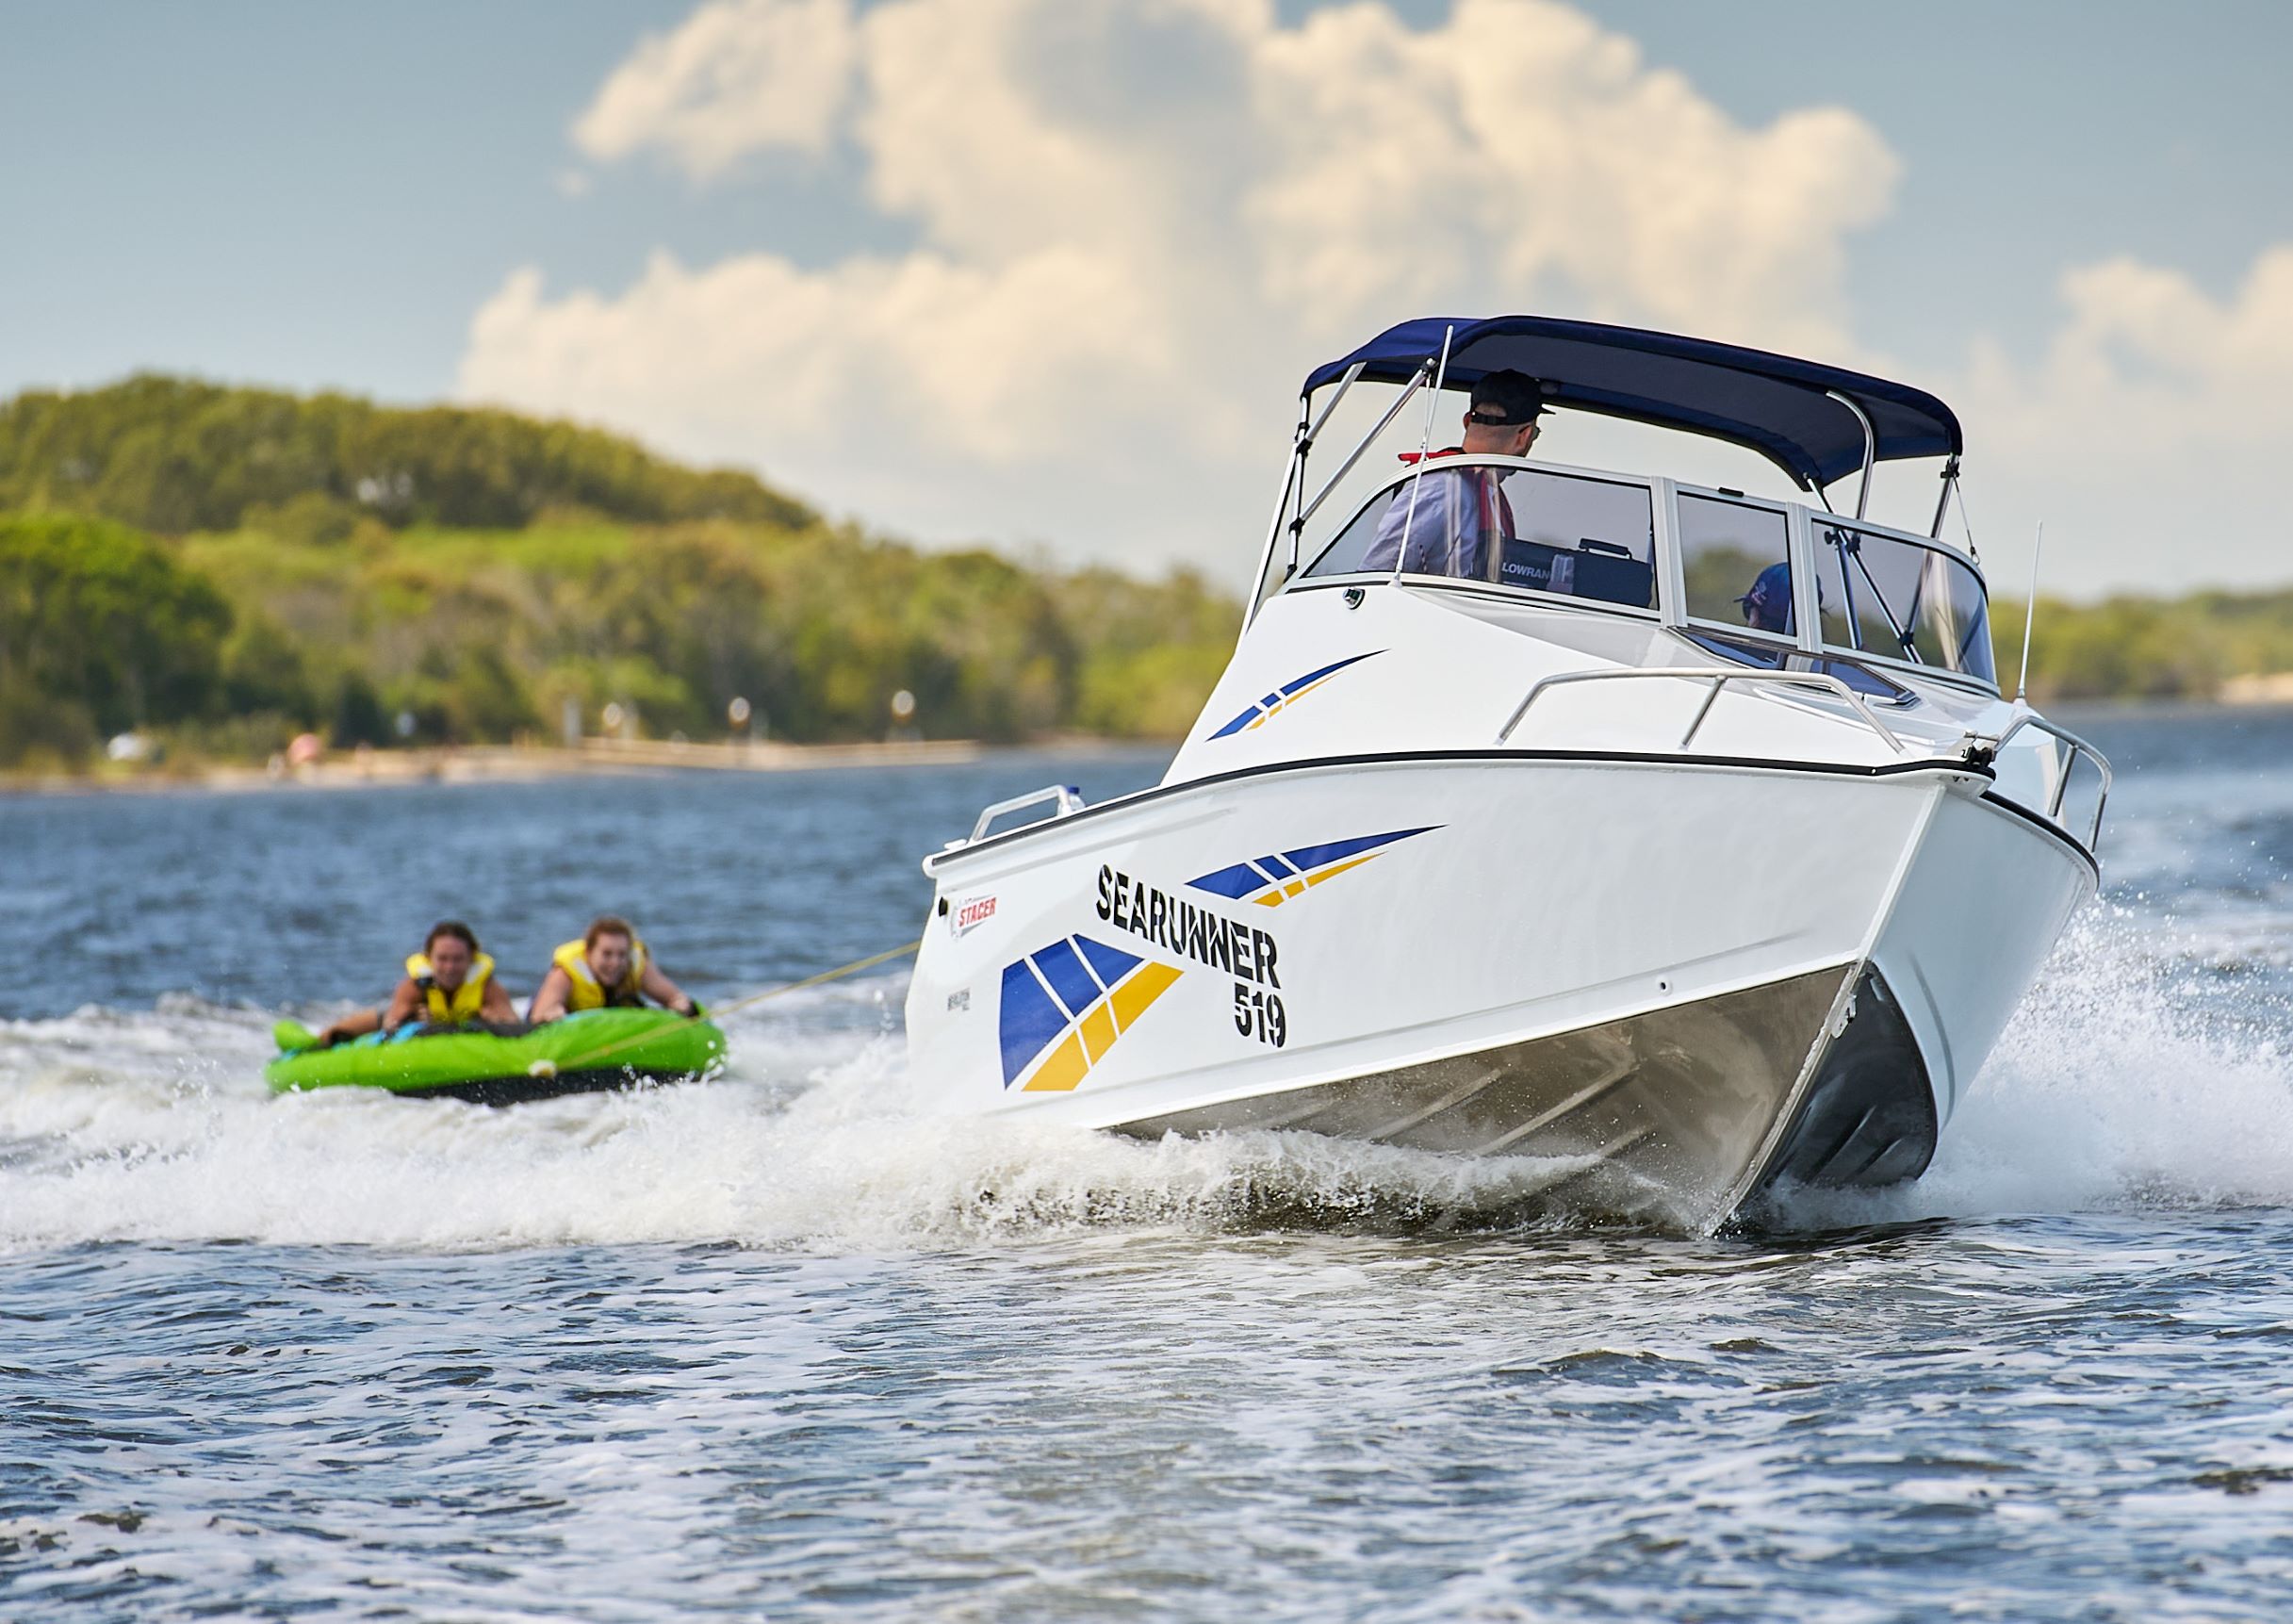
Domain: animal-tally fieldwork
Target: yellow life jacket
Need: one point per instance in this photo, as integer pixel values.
(467, 999)
(587, 992)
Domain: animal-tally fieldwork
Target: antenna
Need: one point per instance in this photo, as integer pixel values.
(2030, 612)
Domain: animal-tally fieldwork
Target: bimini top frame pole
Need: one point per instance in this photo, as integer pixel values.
(1425, 452)
(1870, 450)
(1418, 382)
(1293, 476)
(1291, 467)
(1942, 502)
(1293, 483)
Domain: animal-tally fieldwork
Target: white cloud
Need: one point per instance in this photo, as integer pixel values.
(2149, 437)
(1522, 142)
(1139, 222)
(737, 76)
(2146, 349)
(891, 375)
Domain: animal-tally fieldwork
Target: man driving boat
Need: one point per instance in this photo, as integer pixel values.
(449, 983)
(1461, 514)
(607, 967)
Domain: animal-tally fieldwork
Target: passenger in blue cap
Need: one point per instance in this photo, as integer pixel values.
(1767, 607)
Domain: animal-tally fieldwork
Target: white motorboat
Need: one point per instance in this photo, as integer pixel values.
(1542, 847)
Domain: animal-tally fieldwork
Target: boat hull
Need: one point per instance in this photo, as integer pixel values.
(1638, 969)
(1656, 1114)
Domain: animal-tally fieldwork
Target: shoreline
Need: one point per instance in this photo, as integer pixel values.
(536, 763)
(369, 768)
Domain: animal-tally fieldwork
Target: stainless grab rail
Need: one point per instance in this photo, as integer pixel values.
(1068, 800)
(2078, 748)
(1719, 680)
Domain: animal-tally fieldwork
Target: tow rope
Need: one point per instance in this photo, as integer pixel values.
(551, 1068)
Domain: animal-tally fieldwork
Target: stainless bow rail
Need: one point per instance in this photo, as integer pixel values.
(1971, 744)
(1830, 685)
(1066, 798)
(2078, 747)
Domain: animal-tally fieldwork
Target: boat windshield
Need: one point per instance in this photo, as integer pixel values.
(1510, 526)
(1736, 562)
(1889, 595)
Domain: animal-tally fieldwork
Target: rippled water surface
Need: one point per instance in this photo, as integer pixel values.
(782, 1346)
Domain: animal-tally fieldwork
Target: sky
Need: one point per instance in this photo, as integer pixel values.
(1045, 274)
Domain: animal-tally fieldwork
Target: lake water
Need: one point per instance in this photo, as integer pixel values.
(784, 1347)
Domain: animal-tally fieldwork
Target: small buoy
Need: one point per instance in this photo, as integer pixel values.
(542, 1069)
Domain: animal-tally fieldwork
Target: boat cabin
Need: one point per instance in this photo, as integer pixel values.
(1749, 578)
(1752, 579)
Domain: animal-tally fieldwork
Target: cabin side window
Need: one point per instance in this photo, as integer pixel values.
(1887, 596)
(1589, 538)
(1531, 529)
(1736, 564)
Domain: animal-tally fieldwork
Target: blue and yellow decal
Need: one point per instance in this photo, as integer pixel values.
(1289, 693)
(1067, 1004)
(1271, 880)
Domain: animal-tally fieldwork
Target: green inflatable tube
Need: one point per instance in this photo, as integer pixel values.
(595, 1049)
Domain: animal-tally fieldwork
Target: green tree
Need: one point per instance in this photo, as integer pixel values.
(105, 623)
(175, 456)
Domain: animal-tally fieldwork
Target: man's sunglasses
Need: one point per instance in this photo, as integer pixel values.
(1493, 419)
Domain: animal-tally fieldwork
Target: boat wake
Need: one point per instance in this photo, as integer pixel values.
(2130, 1077)
(156, 1127)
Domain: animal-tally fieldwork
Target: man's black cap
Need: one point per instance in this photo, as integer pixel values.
(1518, 396)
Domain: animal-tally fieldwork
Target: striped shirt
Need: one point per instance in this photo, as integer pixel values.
(1460, 512)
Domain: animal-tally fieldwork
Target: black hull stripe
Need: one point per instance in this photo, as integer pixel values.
(1626, 758)
(2047, 826)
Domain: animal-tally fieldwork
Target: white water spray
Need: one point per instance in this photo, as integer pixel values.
(2121, 1082)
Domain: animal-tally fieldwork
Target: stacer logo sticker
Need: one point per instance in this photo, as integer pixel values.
(969, 914)
(1064, 1007)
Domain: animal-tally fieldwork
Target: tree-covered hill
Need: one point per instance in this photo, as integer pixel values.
(2139, 648)
(173, 454)
(227, 567)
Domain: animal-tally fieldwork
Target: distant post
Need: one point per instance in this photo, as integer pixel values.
(569, 723)
(740, 716)
(903, 715)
